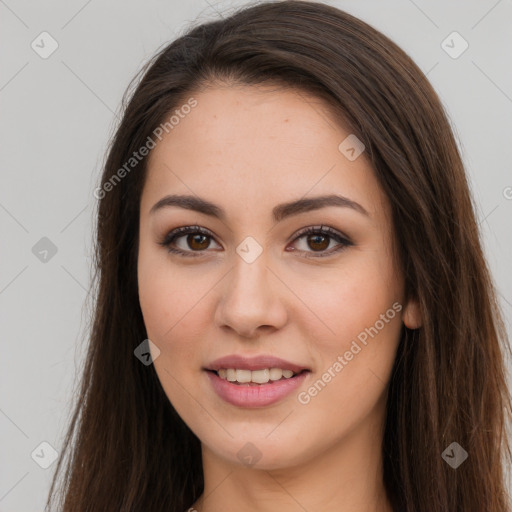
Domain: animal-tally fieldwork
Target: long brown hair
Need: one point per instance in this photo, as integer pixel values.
(127, 448)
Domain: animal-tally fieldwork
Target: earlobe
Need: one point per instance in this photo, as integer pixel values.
(412, 317)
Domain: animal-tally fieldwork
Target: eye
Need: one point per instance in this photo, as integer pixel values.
(198, 239)
(319, 238)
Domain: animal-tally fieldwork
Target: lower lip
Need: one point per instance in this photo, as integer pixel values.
(254, 395)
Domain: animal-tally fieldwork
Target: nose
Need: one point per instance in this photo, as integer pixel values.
(251, 302)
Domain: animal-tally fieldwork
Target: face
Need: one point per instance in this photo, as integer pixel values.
(246, 293)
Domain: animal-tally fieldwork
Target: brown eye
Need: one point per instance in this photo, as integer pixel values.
(188, 241)
(198, 242)
(318, 242)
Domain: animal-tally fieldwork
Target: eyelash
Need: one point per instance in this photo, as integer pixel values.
(312, 230)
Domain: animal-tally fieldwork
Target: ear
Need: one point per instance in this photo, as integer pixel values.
(411, 316)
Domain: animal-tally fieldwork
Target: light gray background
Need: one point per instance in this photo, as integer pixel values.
(57, 116)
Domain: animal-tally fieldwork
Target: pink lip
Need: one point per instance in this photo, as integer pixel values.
(254, 363)
(254, 395)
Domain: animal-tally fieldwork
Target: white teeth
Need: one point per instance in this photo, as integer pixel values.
(260, 376)
(243, 376)
(256, 376)
(275, 373)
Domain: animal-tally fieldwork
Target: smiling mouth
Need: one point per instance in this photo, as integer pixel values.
(243, 377)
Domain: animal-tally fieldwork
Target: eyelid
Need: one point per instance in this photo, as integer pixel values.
(322, 228)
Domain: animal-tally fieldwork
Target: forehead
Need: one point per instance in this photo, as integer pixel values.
(249, 143)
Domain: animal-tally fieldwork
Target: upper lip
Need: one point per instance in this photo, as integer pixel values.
(254, 363)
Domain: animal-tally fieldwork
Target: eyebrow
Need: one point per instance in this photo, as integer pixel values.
(279, 212)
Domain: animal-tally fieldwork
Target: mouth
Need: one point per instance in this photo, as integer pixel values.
(254, 394)
(254, 381)
(244, 377)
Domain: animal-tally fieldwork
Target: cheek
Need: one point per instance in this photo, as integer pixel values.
(171, 309)
(351, 300)
(157, 302)
(361, 323)
(173, 302)
(164, 293)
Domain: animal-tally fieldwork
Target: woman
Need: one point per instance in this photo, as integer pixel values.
(293, 308)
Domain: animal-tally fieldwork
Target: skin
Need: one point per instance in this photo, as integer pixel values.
(247, 149)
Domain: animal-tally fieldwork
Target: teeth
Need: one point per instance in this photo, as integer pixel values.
(256, 376)
(260, 376)
(275, 373)
(243, 376)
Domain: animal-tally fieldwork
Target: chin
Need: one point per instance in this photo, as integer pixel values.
(258, 452)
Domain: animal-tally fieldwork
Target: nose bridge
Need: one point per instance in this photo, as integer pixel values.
(249, 297)
(249, 277)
